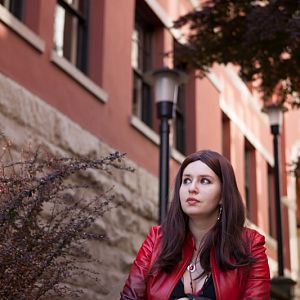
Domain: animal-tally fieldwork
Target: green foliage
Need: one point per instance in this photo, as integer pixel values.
(44, 225)
(262, 37)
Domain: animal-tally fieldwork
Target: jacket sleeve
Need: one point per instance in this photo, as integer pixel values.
(135, 285)
(258, 283)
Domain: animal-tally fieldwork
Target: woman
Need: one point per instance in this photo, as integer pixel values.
(202, 250)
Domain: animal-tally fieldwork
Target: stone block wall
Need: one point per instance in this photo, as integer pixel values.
(27, 120)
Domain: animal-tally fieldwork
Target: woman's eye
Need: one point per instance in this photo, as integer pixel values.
(186, 180)
(205, 181)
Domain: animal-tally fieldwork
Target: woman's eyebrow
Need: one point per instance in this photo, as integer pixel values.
(198, 175)
(186, 174)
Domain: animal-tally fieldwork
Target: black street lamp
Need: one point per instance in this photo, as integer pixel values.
(166, 82)
(281, 286)
(275, 114)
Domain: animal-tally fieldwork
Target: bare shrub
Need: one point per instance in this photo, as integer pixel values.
(44, 224)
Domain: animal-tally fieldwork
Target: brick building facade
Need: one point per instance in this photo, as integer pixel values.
(71, 78)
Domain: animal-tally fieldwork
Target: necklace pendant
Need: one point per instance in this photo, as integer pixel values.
(191, 268)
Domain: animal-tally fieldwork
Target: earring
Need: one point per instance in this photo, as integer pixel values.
(220, 212)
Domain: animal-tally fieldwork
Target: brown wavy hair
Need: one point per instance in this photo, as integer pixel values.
(225, 237)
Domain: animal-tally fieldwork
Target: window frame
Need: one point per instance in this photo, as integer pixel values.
(179, 123)
(226, 136)
(271, 201)
(142, 102)
(250, 185)
(179, 120)
(81, 35)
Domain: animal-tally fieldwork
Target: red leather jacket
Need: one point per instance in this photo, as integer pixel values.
(249, 282)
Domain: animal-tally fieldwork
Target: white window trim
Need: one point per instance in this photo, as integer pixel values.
(22, 30)
(153, 137)
(80, 77)
(215, 80)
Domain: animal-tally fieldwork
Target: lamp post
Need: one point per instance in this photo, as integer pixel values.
(281, 286)
(275, 114)
(166, 82)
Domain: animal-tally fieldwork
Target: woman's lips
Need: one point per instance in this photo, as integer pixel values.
(192, 201)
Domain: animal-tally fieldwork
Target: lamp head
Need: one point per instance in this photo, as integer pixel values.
(275, 114)
(166, 82)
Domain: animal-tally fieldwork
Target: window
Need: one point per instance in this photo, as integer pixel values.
(71, 31)
(271, 202)
(141, 61)
(296, 171)
(14, 6)
(148, 28)
(226, 139)
(179, 121)
(247, 177)
(250, 182)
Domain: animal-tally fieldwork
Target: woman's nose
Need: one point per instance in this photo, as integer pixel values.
(193, 187)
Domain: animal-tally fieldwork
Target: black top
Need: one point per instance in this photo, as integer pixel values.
(207, 292)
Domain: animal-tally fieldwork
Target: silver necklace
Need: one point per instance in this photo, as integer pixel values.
(191, 267)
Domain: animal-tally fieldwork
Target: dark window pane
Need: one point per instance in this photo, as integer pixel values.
(147, 105)
(250, 181)
(137, 90)
(14, 6)
(271, 202)
(226, 139)
(247, 180)
(179, 123)
(180, 145)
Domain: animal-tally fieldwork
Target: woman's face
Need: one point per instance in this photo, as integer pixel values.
(200, 191)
